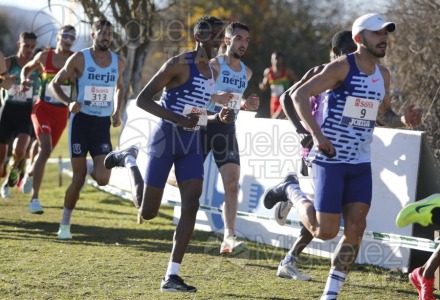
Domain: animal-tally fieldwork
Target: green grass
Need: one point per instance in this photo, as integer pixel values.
(112, 257)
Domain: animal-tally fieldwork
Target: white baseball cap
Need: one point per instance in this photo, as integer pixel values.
(373, 22)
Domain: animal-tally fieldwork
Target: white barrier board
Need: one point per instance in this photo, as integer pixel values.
(269, 149)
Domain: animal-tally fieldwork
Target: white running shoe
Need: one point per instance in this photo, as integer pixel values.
(231, 245)
(64, 232)
(4, 192)
(290, 271)
(28, 181)
(281, 211)
(35, 207)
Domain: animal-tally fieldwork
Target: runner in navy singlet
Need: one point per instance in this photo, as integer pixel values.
(187, 83)
(358, 92)
(342, 44)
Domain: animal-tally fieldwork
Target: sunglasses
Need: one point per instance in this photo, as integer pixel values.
(68, 36)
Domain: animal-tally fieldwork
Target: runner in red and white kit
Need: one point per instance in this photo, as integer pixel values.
(49, 116)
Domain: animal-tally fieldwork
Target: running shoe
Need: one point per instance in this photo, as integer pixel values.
(116, 158)
(418, 212)
(35, 207)
(424, 286)
(28, 182)
(290, 271)
(231, 245)
(13, 177)
(176, 284)
(281, 211)
(4, 192)
(64, 232)
(277, 193)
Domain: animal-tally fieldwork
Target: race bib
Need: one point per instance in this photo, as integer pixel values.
(49, 98)
(360, 112)
(234, 103)
(98, 96)
(16, 95)
(276, 90)
(203, 115)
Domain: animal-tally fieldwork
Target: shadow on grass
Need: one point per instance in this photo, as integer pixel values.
(142, 238)
(131, 215)
(147, 237)
(96, 210)
(239, 296)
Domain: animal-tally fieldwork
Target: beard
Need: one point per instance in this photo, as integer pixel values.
(236, 55)
(375, 52)
(372, 50)
(103, 47)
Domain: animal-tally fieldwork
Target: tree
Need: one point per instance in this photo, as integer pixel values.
(301, 29)
(4, 29)
(415, 55)
(133, 21)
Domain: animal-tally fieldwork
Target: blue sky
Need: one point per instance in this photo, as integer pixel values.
(59, 8)
(44, 20)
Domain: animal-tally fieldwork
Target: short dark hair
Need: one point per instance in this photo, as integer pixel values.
(66, 28)
(27, 35)
(340, 38)
(96, 26)
(206, 23)
(230, 28)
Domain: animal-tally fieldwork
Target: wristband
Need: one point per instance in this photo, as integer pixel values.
(217, 118)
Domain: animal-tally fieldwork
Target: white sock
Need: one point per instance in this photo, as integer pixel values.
(295, 194)
(130, 161)
(289, 259)
(89, 167)
(29, 169)
(335, 280)
(173, 269)
(67, 214)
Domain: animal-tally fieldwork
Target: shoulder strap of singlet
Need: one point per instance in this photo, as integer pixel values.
(351, 61)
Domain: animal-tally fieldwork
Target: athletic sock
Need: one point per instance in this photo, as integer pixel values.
(295, 194)
(289, 259)
(130, 161)
(89, 167)
(334, 283)
(173, 269)
(67, 214)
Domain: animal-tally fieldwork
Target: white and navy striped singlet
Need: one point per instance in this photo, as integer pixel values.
(195, 92)
(350, 116)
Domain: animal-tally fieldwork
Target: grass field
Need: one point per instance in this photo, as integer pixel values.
(112, 257)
